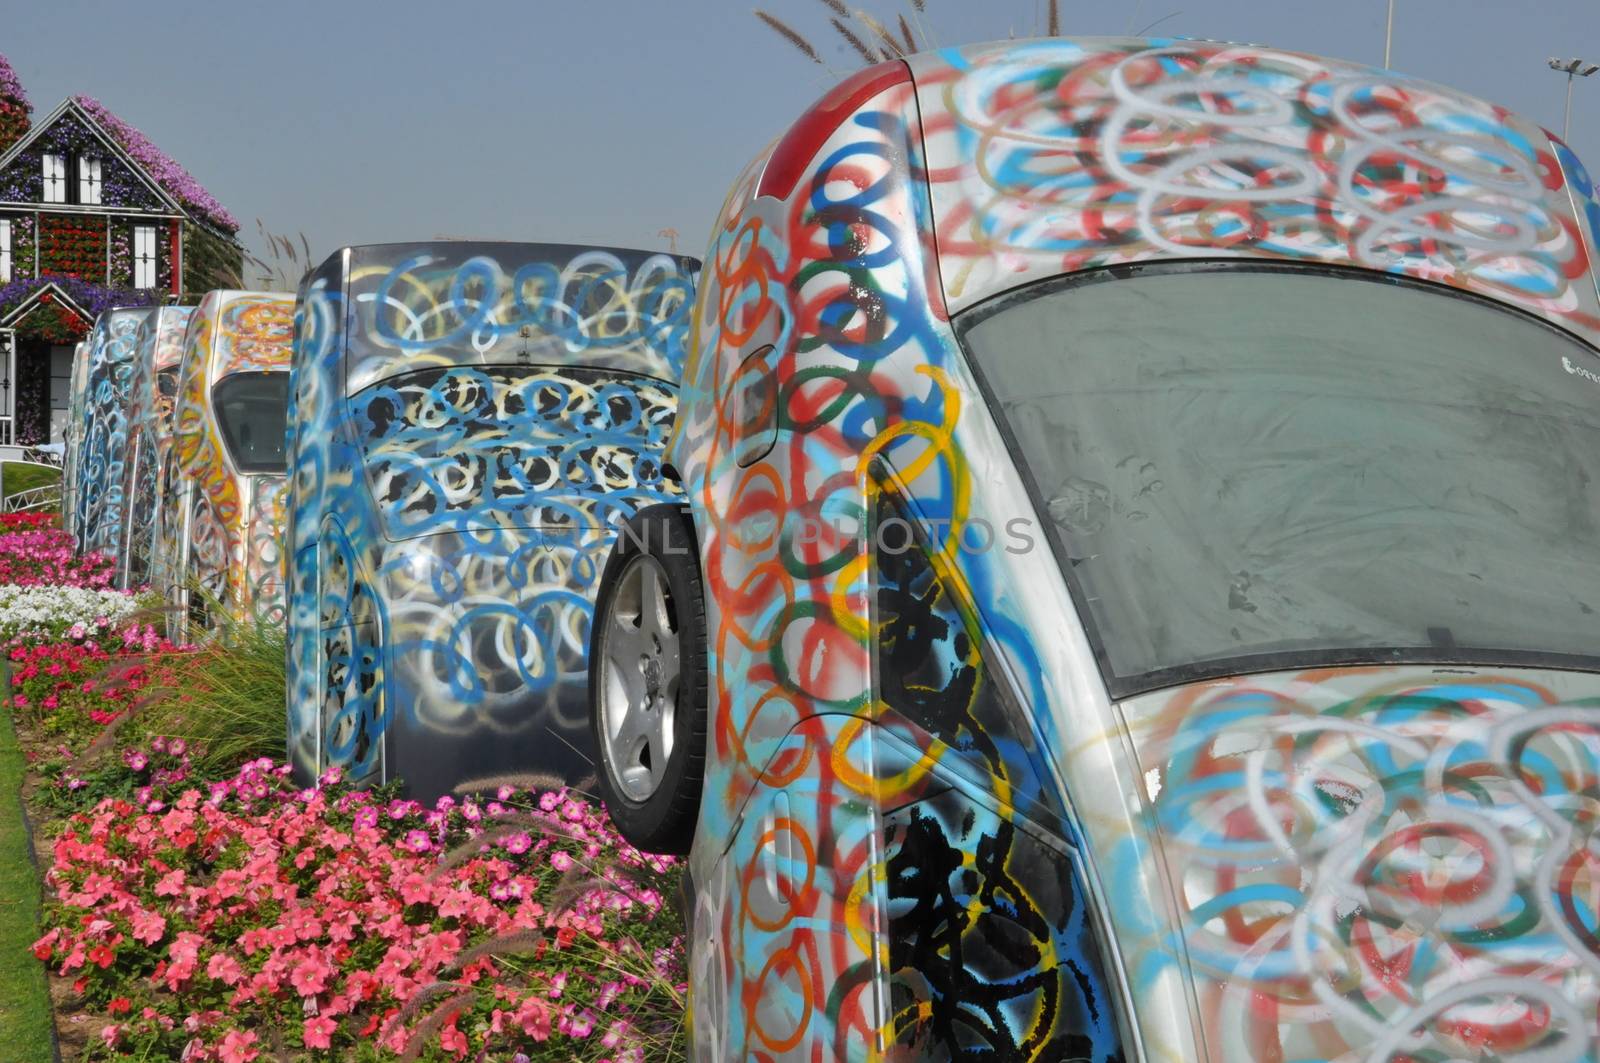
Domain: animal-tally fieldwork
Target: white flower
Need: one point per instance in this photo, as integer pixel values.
(74, 611)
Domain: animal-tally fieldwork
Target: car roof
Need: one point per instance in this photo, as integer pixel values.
(1051, 156)
(163, 331)
(241, 332)
(467, 302)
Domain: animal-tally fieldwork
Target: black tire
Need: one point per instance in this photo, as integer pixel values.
(663, 821)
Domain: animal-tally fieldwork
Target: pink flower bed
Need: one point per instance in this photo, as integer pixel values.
(249, 919)
(46, 675)
(34, 554)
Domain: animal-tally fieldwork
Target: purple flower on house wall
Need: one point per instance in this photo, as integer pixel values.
(24, 244)
(94, 299)
(162, 167)
(121, 262)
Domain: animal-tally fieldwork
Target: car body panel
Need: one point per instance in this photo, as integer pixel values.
(1397, 857)
(930, 197)
(462, 451)
(150, 402)
(223, 513)
(72, 433)
(102, 453)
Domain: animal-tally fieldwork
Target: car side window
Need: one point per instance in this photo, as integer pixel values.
(993, 947)
(933, 672)
(993, 944)
(456, 448)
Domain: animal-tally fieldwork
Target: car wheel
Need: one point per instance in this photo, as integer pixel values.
(647, 681)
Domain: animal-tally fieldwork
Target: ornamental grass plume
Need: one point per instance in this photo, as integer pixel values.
(784, 30)
(532, 780)
(860, 46)
(434, 1025)
(892, 48)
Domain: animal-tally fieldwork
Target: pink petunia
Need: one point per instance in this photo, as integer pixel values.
(534, 1018)
(310, 976)
(148, 927)
(225, 969)
(453, 1040)
(238, 1047)
(318, 1032)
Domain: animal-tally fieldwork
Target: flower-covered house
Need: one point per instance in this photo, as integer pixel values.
(92, 215)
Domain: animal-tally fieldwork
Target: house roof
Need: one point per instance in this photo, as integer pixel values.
(48, 292)
(73, 108)
(166, 170)
(174, 186)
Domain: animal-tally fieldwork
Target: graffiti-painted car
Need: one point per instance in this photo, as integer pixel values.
(102, 427)
(149, 414)
(471, 422)
(1140, 507)
(221, 532)
(72, 435)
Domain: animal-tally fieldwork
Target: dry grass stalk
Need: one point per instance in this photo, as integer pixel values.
(1054, 23)
(855, 42)
(431, 1025)
(892, 45)
(415, 1005)
(537, 781)
(781, 29)
(504, 945)
(891, 48)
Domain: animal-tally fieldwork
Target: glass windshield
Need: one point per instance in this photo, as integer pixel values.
(1246, 467)
(252, 409)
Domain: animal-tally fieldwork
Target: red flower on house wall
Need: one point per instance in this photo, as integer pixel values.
(73, 247)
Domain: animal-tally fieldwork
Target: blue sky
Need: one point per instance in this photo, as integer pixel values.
(610, 120)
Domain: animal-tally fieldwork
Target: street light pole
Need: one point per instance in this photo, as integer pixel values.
(1572, 68)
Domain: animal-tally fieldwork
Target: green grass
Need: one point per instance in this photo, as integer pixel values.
(19, 476)
(25, 1025)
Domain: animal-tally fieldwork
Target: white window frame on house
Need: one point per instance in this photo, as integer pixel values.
(144, 256)
(89, 180)
(54, 167)
(5, 250)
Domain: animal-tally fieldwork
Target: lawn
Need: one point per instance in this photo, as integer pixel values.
(19, 476)
(24, 1006)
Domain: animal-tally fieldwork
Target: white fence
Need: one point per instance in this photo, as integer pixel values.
(34, 497)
